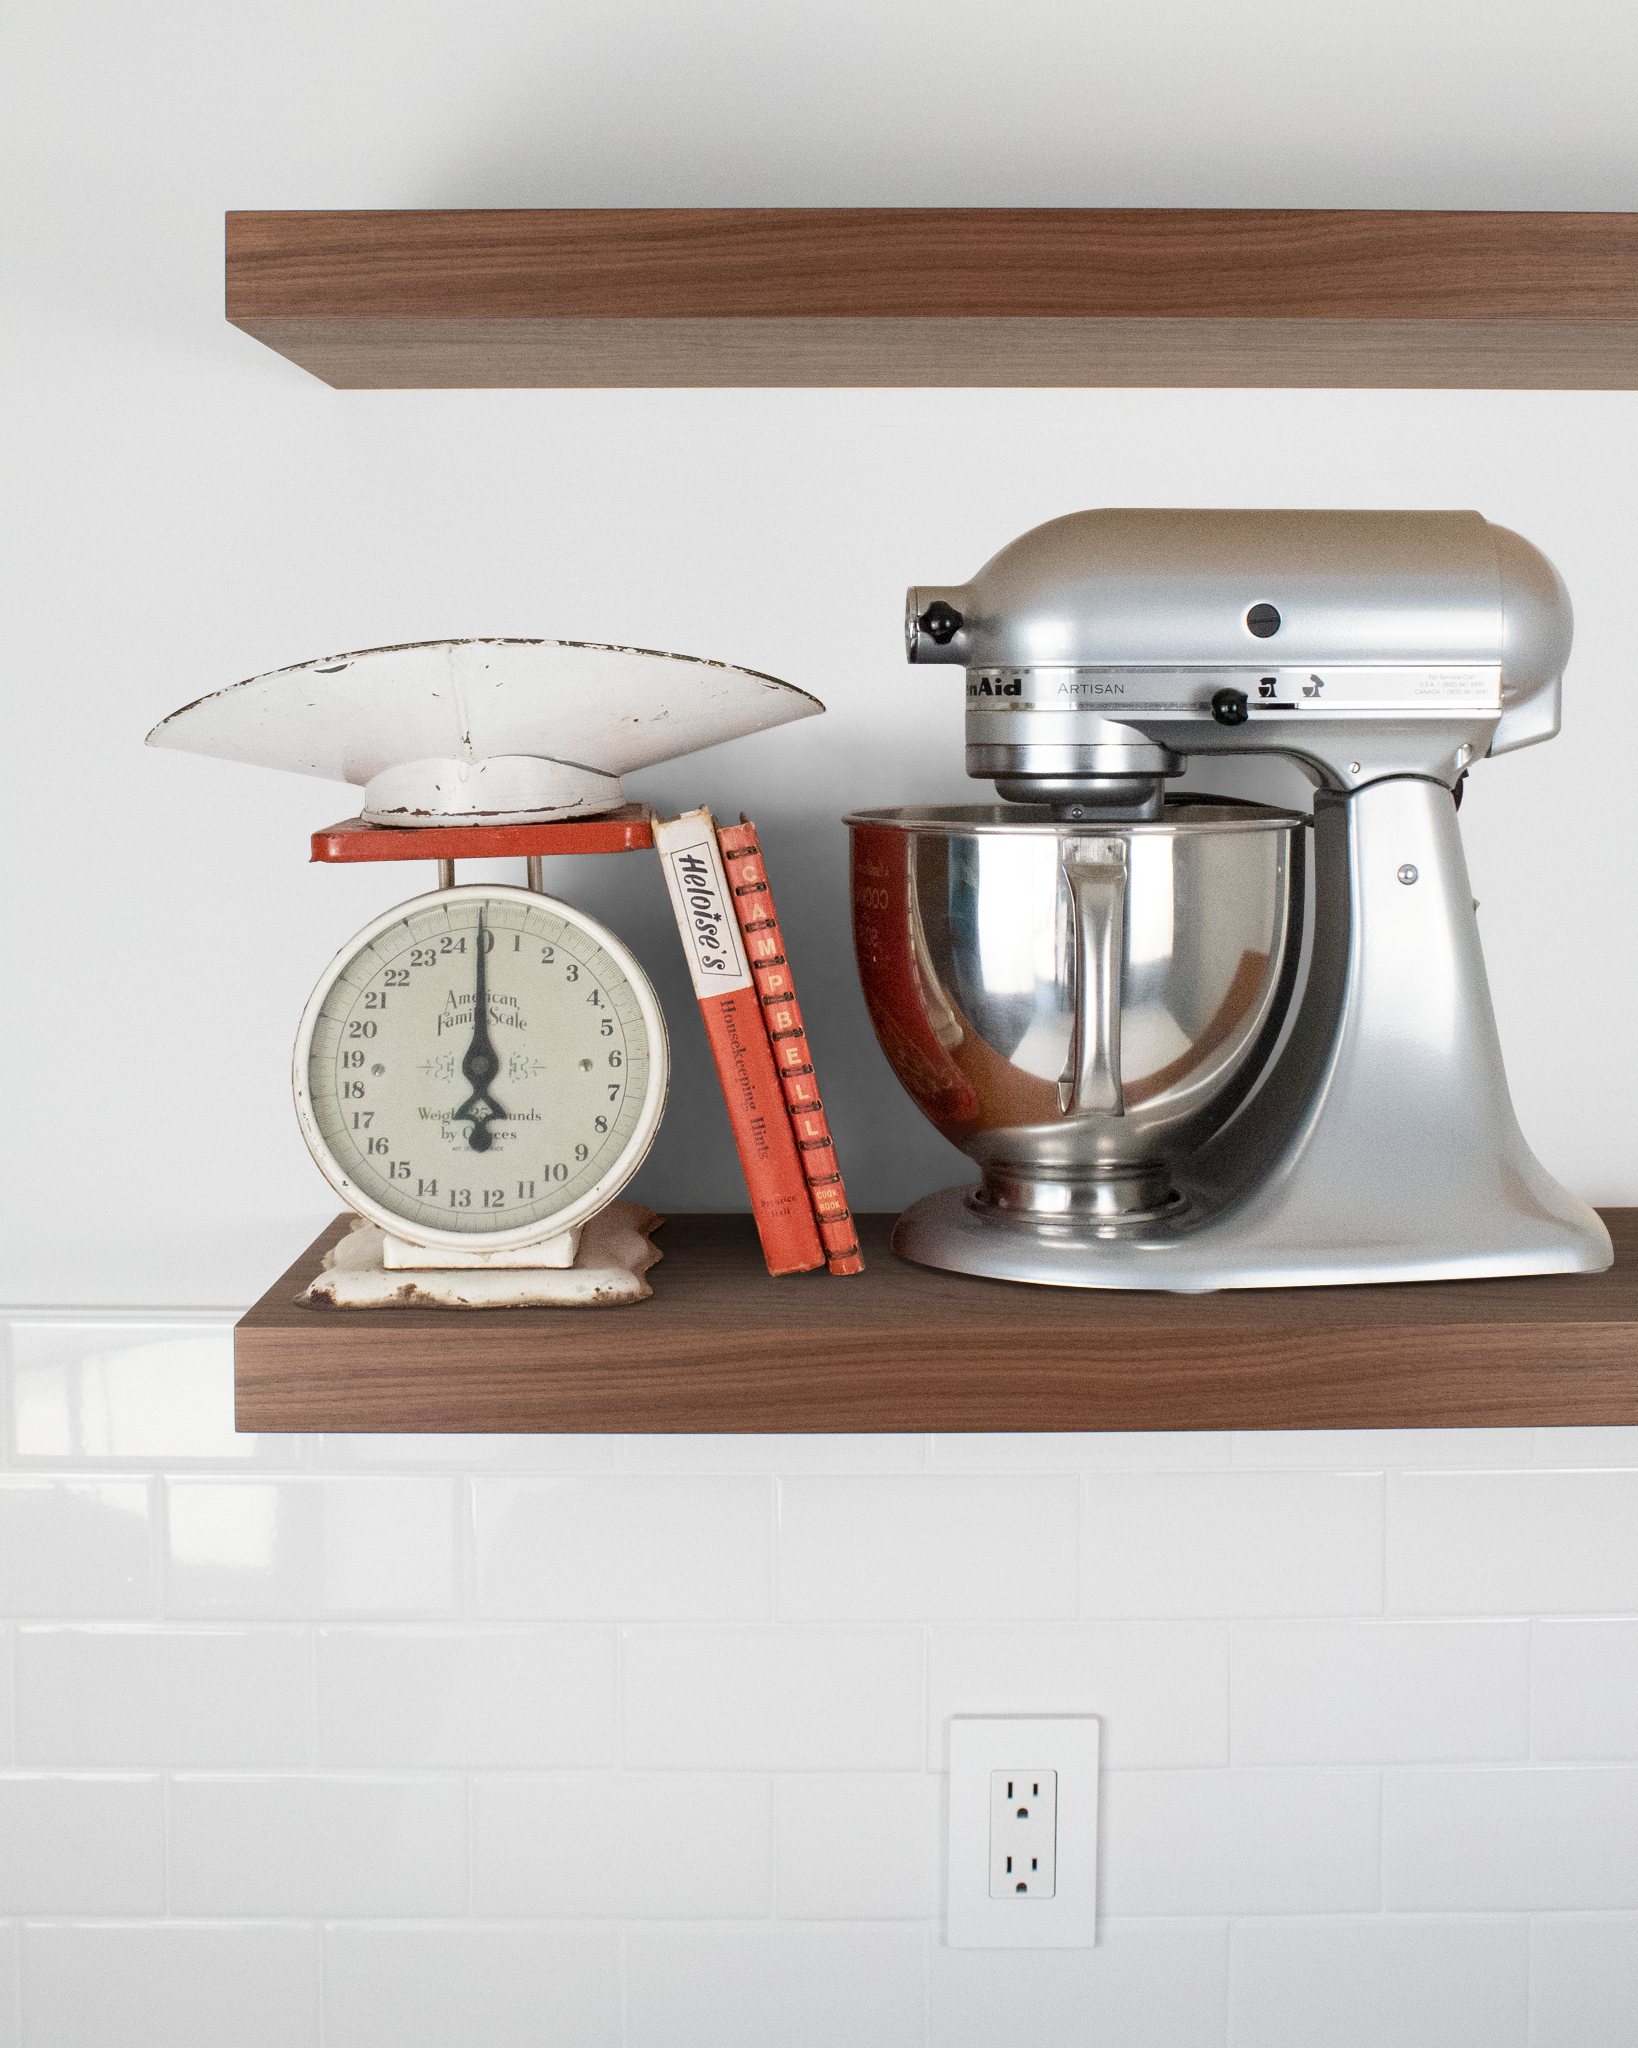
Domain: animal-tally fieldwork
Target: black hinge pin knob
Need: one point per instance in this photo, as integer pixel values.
(941, 622)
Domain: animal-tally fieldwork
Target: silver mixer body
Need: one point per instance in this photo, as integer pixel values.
(1104, 996)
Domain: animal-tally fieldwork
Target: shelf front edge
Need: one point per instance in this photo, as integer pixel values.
(365, 353)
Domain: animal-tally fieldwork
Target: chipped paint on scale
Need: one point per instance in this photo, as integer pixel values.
(483, 731)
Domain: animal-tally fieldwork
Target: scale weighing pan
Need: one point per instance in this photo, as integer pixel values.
(503, 732)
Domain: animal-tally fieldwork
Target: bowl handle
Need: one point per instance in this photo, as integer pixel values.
(1096, 873)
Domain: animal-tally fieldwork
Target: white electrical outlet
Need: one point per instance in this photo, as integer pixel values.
(1023, 1834)
(1023, 1869)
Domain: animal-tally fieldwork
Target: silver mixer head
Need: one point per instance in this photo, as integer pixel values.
(1103, 648)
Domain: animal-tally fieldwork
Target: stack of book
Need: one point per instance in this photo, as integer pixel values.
(742, 977)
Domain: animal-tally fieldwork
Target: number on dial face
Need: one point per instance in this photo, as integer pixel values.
(479, 1066)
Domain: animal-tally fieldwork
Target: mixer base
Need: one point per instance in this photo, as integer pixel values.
(1199, 1252)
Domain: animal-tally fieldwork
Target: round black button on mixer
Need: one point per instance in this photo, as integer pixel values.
(941, 622)
(1263, 620)
(1230, 707)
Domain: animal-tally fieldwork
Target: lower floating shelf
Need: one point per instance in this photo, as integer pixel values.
(900, 1347)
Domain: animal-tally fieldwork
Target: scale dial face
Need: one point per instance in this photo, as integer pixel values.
(480, 1069)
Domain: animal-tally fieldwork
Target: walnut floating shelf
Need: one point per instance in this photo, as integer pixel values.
(723, 1347)
(942, 296)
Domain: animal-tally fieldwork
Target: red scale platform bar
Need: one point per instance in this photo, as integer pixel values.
(627, 830)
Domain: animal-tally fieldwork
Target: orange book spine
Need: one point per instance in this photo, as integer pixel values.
(726, 990)
(788, 1041)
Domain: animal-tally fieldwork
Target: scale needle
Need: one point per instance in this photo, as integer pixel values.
(481, 1064)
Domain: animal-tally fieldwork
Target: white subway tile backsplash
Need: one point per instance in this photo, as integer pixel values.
(815, 1453)
(1194, 1843)
(1510, 1841)
(1147, 1984)
(11, 1986)
(471, 1987)
(152, 1695)
(364, 1848)
(1085, 1450)
(1431, 1983)
(466, 1699)
(932, 1547)
(75, 1547)
(635, 1847)
(1512, 1542)
(1385, 1801)
(773, 1699)
(89, 1393)
(1584, 1690)
(386, 1451)
(1610, 1446)
(1358, 1450)
(1232, 1543)
(635, 1549)
(1161, 1688)
(753, 1987)
(862, 1847)
(1355, 1692)
(293, 1548)
(164, 1985)
(86, 1845)
(1584, 1981)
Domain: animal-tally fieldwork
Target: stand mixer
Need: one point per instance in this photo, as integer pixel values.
(1185, 1048)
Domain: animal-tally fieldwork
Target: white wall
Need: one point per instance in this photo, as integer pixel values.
(306, 1733)
(185, 509)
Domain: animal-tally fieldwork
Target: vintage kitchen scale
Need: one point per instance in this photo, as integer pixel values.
(481, 1070)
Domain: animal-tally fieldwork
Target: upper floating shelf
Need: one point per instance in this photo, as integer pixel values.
(942, 296)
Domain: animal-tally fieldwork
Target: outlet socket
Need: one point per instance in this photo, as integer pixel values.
(1023, 1834)
(1023, 1869)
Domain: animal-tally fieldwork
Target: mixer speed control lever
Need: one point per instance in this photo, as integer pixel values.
(1230, 707)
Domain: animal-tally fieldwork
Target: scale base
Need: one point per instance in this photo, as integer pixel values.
(607, 1272)
(399, 1256)
(1198, 1252)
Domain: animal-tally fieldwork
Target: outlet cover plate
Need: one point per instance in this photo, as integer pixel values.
(981, 1744)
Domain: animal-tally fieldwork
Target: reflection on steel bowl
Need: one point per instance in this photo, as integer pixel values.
(1077, 1005)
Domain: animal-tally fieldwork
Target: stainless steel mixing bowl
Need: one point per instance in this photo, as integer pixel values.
(1077, 1006)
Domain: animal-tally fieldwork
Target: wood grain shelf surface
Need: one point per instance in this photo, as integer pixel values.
(721, 1347)
(974, 296)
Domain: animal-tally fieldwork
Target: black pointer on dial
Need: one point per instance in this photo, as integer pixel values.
(481, 1065)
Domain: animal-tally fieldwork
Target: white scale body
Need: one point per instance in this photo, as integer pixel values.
(478, 1073)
